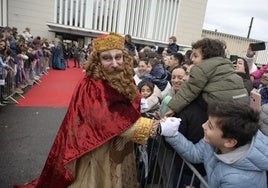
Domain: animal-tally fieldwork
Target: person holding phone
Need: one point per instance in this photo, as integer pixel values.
(250, 59)
(257, 46)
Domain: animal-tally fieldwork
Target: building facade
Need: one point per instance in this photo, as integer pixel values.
(149, 22)
(237, 46)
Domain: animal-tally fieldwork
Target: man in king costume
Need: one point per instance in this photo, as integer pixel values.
(94, 145)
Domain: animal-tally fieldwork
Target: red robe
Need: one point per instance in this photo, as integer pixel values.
(97, 113)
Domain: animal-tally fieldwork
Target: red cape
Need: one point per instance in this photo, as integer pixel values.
(96, 114)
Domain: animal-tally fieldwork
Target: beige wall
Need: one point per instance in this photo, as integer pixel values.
(3, 13)
(191, 18)
(238, 45)
(36, 13)
(32, 14)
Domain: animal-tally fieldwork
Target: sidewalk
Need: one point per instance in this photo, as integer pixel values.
(26, 135)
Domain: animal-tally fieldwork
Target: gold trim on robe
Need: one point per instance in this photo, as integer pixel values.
(142, 130)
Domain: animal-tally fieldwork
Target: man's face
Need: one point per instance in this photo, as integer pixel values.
(264, 78)
(196, 56)
(173, 62)
(111, 58)
(117, 73)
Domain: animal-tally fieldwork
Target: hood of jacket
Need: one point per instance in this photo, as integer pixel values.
(251, 157)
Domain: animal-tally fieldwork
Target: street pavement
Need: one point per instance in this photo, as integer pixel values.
(26, 136)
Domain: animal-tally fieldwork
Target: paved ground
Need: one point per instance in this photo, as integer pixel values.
(26, 135)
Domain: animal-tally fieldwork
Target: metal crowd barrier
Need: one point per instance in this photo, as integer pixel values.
(159, 171)
(31, 70)
(8, 85)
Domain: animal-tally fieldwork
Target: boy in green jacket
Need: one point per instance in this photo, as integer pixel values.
(212, 76)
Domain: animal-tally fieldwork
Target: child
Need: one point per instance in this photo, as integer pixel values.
(233, 150)
(213, 76)
(149, 106)
(172, 46)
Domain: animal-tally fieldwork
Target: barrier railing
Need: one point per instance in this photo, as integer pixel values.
(27, 75)
(8, 85)
(156, 162)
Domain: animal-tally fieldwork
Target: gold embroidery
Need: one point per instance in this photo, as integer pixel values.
(142, 130)
(109, 42)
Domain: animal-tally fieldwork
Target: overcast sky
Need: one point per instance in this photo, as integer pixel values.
(234, 16)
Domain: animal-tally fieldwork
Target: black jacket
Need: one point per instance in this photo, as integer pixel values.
(173, 48)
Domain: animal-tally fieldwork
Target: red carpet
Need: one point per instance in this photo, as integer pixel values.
(55, 89)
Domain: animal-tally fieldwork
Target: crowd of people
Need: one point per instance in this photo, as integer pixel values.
(197, 79)
(25, 59)
(209, 77)
(196, 104)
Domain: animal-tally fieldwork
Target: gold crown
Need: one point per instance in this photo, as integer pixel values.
(109, 42)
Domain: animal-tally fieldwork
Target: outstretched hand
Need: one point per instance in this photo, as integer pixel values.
(170, 126)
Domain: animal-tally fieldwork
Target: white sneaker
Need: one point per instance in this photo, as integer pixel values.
(37, 78)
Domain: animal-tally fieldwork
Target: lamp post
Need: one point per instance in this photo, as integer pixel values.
(250, 26)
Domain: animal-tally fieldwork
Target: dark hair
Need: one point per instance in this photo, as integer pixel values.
(153, 62)
(6, 29)
(178, 56)
(146, 83)
(152, 55)
(145, 59)
(188, 53)
(173, 38)
(5, 51)
(129, 37)
(179, 67)
(245, 65)
(141, 54)
(236, 120)
(210, 47)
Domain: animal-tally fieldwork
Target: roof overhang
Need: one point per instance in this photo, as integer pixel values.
(53, 27)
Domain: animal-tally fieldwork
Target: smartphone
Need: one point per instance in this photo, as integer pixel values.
(257, 46)
(255, 100)
(233, 57)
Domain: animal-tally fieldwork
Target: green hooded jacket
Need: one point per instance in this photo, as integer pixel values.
(214, 78)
